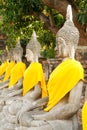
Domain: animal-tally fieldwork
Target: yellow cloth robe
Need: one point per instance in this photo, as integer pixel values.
(32, 75)
(62, 80)
(16, 73)
(84, 116)
(8, 70)
(3, 67)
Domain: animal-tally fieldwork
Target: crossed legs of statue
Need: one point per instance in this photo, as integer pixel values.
(30, 124)
(10, 110)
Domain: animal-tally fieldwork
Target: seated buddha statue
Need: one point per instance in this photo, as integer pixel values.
(12, 90)
(14, 72)
(64, 87)
(34, 86)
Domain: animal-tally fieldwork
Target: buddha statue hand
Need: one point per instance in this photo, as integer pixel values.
(27, 105)
(37, 123)
(5, 98)
(41, 102)
(39, 117)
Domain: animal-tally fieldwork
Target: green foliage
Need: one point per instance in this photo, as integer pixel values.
(47, 40)
(26, 31)
(48, 53)
(82, 8)
(46, 37)
(82, 18)
(18, 21)
(1, 51)
(15, 9)
(58, 18)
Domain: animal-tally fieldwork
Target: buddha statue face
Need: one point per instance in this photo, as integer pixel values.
(65, 49)
(17, 55)
(33, 49)
(29, 55)
(67, 40)
(67, 37)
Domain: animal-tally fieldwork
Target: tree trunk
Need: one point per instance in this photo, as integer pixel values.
(61, 6)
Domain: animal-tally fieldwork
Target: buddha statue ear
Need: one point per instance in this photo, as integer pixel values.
(34, 46)
(68, 34)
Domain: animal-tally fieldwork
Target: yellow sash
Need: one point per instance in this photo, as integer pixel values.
(32, 75)
(3, 67)
(8, 70)
(62, 80)
(16, 73)
(84, 116)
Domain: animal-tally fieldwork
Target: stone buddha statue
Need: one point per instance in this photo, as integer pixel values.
(12, 89)
(9, 89)
(34, 86)
(64, 87)
(64, 90)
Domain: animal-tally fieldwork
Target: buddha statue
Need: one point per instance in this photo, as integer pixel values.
(64, 87)
(34, 86)
(12, 90)
(13, 87)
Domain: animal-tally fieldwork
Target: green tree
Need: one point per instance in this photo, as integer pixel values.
(82, 11)
(21, 17)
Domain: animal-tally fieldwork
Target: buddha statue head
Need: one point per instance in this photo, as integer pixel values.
(67, 37)
(5, 55)
(33, 49)
(17, 52)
